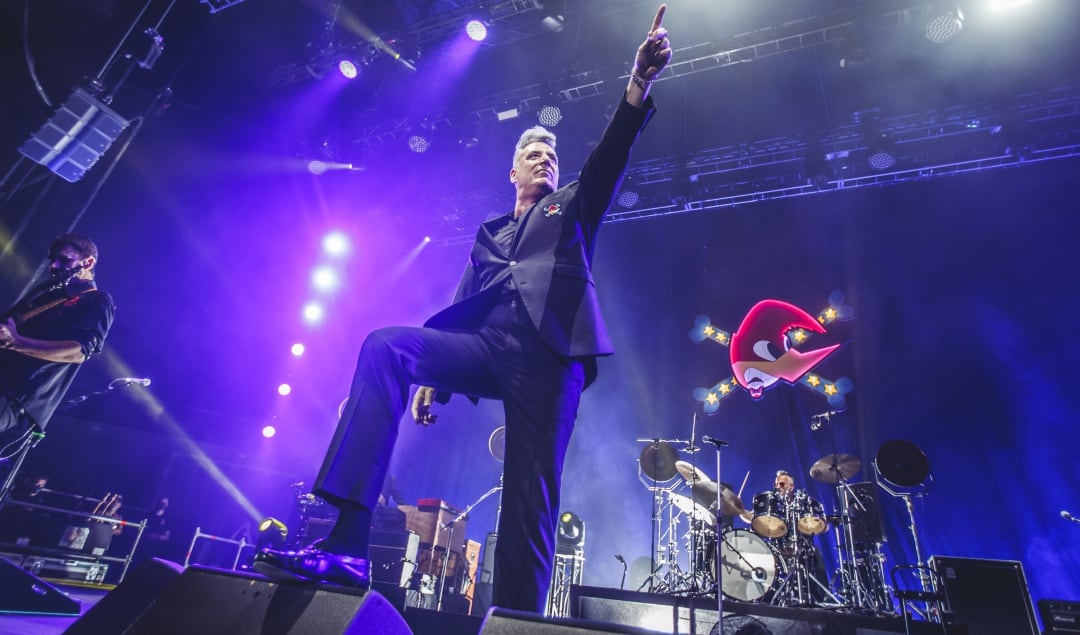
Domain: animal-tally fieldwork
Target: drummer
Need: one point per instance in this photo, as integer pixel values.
(784, 484)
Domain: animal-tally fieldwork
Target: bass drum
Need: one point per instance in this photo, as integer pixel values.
(750, 567)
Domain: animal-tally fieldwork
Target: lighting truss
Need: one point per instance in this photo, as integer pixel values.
(702, 57)
(220, 5)
(972, 145)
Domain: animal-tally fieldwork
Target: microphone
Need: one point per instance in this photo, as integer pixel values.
(620, 559)
(127, 381)
(717, 442)
(1067, 516)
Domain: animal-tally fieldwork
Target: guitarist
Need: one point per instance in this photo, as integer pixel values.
(46, 335)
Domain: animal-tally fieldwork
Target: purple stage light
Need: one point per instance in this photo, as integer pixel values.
(476, 30)
(269, 431)
(348, 69)
(297, 349)
(284, 389)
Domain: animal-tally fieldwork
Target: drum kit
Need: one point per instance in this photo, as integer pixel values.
(776, 560)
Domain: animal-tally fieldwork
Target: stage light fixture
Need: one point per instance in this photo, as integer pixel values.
(335, 243)
(76, 136)
(348, 69)
(570, 534)
(419, 143)
(272, 534)
(945, 24)
(297, 349)
(549, 116)
(269, 431)
(284, 390)
(881, 154)
(314, 313)
(628, 198)
(325, 278)
(476, 30)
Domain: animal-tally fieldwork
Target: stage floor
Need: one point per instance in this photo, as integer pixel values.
(597, 606)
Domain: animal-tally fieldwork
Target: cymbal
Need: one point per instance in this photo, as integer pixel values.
(826, 468)
(691, 473)
(658, 461)
(690, 506)
(730, 503)
(497, 443)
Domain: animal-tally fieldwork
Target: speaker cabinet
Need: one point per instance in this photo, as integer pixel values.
(1060, 617)
(990, 597)
(23, 592)
(506, 622)
(211, 601)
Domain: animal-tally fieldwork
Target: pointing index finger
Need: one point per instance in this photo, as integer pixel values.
(659, 18)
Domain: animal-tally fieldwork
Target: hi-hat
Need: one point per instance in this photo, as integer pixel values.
(826, 468)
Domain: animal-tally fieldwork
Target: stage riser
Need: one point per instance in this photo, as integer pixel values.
(697, 616)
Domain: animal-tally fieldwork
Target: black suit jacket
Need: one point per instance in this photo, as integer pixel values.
(551, 255)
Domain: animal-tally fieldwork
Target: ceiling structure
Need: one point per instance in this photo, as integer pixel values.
(777, 99)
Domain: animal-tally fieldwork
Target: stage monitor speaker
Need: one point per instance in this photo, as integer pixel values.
(23, 592)
(124, 604)
(224, 602)
(1060, 617)
(501, 621)
(990, 597)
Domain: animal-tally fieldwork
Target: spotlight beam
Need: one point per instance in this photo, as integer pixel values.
(350, 22)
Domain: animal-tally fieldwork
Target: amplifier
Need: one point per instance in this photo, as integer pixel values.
(1060, 616)
(61, 568)
(394, 556)
(990, 597)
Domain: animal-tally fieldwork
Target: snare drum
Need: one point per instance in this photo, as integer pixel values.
(770, 514)
(750, 567)
(810, 514)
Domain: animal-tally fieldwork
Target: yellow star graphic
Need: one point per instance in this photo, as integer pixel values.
(709, 330)
(830, 389)
(830, 313)
(712, 398)
(724, 388)
(720, 337)
(813, 380)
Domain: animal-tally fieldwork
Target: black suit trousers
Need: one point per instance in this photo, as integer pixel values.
(503, 359)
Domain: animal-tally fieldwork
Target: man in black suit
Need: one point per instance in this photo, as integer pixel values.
(525, 327)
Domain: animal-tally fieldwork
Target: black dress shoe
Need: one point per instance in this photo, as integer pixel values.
(313, 565)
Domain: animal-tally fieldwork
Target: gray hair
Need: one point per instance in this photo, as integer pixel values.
(532, 135)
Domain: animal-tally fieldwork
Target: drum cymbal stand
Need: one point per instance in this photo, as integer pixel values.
(719, 569)
(448, 526)
(850, 577)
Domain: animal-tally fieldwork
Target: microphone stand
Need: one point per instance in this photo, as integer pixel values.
(450, 538)
(719, 569)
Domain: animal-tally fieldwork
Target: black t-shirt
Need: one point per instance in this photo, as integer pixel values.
(39, 386)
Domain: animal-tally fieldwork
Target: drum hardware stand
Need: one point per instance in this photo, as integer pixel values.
(652, 473)
(926, 580)
(719, 569)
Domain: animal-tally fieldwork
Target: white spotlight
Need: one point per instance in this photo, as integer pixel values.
(297, 349)
(336, 243)
(314, 313)
(325, 278)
